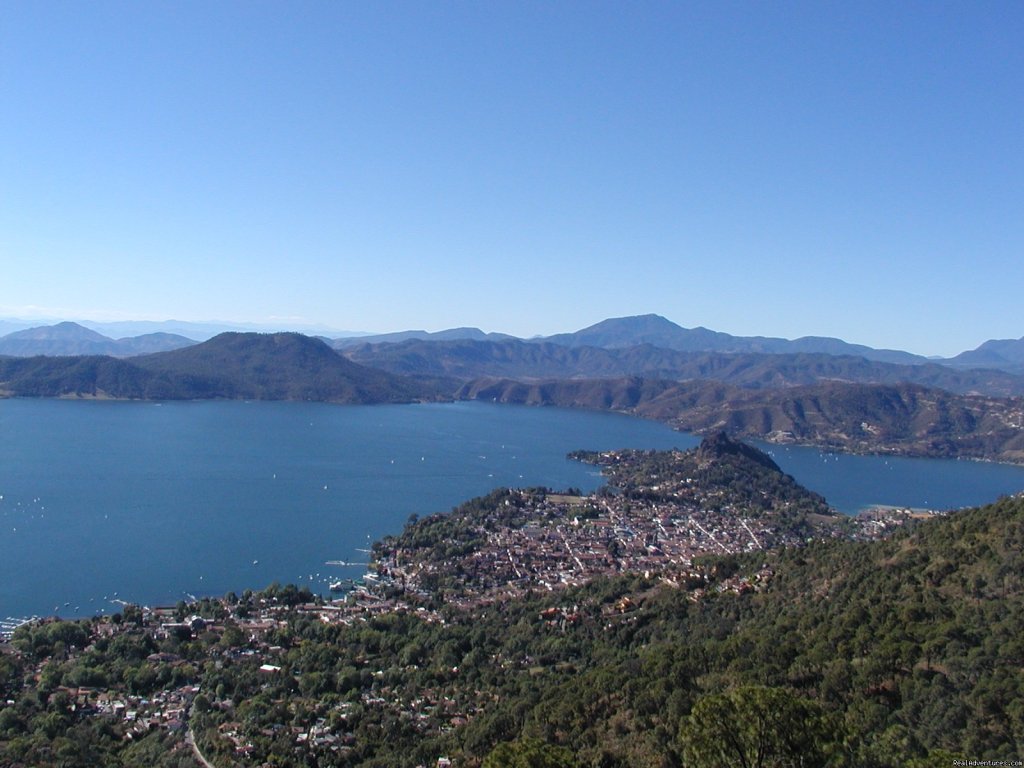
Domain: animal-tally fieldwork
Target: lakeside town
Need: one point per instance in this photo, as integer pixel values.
(661, 517)
(656, 516)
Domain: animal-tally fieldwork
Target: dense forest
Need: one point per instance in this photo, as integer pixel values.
(906, 651)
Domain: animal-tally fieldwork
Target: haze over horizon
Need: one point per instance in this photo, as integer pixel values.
(531, 169)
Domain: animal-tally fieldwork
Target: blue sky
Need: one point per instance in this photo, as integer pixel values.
(785, 169)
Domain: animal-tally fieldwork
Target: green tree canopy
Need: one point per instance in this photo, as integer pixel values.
(529, 753)
(756, 727)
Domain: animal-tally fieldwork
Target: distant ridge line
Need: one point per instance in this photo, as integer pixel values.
(618, 333)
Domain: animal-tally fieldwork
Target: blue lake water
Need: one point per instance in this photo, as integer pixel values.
(851, 483)
(150, 503)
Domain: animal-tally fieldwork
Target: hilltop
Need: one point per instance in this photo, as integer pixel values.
(279, 366)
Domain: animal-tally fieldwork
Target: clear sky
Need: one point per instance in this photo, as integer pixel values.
(819, 168)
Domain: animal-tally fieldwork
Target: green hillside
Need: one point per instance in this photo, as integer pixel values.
(901, 652)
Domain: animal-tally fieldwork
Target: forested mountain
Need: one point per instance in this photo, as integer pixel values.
(467, 359)
(279, 366)
(90, 376)
(902, 419)
(284, 366)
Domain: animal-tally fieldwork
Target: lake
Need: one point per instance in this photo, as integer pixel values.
(154, 502)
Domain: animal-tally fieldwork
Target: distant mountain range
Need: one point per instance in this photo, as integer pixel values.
(842, 402)
(452, 334)
(207, 330)
(612, 334)
(647, 345)
(74, 339)
(619, 332)
(515, 359)
(198, 331)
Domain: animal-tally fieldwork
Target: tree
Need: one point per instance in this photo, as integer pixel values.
(529, 753)
(756, 727)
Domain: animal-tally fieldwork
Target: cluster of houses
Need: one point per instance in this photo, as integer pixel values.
(562, 547)
(658, 529)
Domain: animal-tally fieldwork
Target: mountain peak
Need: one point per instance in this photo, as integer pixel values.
(65, 331)
(636, 323)
(62, 339)
(623, 332)
(278, 366)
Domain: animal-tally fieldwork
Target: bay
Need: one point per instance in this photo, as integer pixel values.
(152, 503)
(853, 483)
